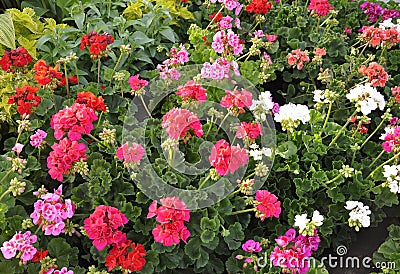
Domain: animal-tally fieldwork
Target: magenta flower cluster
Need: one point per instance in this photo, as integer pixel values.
(51, 212)
(176, 58)
(219, 69)
(38, 137)
(226, 41)
(374, 10)
(21, 242)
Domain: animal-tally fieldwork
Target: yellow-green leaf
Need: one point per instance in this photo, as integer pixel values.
(7, 32)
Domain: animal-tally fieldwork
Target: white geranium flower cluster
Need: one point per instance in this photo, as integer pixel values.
(367, 98)
(307, 226)
(257, 153)
(388, 24)
(392, 175)
(359, 214)
(262, 106)
(290, 116)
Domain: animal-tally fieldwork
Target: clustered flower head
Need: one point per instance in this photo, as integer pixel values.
(249, 130)
(359, 214)
(102, 226)
(47, 76)
(392, 175)
(17, 187)
(130, 153)
(307, 226)
(374, 11)
(380, 36)
(191, 91)
(25, 98)
(396, 93)
(226, 158)
(62, 157)
(178, 121)
(292, 252)
(137, 84)
(16, 58)
(21, 243)
(97, 43)
(90, 100)
(263, 106)
(226, 21)
(51, 212)
(38, 137)
(297, 58)
(230, 4)
(235, 101)
(226, 42)
(266, 205)
(257, 153)
(367, 98)
(74, 120)
(253, 248)
(259, 7)
(391, 139)
(320, 7)
(171, 216)
(219, 69)
(376, 74)
(290, 116)
(126, 255)
(176, 59)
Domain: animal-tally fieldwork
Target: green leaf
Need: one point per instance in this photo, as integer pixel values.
(63, 252)
(168, 33)
(207, 236)
(286, 149)
(192, 248)
(7, 31)
(141, 38)
(335, 195)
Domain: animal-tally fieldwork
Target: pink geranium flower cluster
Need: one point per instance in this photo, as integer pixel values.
(266, 205)
(135, 83)
(176, 58)
(171, 215)
(219, 69)
(130, 153)
(320, 7)
(374, 10)
(298, 58)
(249, 130)
(226, 42)
(178, 121)
(230, 5)
(251, 246)
(51, 212)
(383, 37)
(391, 139)
(21, 242)
(102, 226)
(292, 252)
(226, 158)
(235, 101)
(192, 91)
(74, 120)
(63, 156)
(37, 138)
(376, 74)
(226, 22)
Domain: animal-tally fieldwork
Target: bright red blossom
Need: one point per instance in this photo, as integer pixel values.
(97, 43)
(25, 98)
(47, 75)
(16, 58)
(216, 15)
(136, 83)
(376, 74)
(259, 7)
(320, 7)
(267, 205)
(192, 91)
(236, 100)
(250, 130)
(39, 255)
(128, 255)
(91, 101)
(102, 226)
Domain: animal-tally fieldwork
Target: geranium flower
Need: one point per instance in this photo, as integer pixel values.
(259, 7)
(267, 205)
(25, 98)
(178, 121)
(90, 100)
(192, 91)
(97, 43)
(376, 74)
(120, 256)
(16, 58)
(320, 7)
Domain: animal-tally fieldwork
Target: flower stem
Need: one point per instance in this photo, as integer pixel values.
(327, 115)
(249, 176)
(372, 134)
(76, 71)
(388, 161)
(115, 67)
(54, 99)
(66, 79)
(376, 159)
(94, 138)
(212, 20)
(5, 176)
(208, 131)
(4, 194)
(204, 181)
(98, 71)
(241, 211)
(233, 193)
(223, 120)
(332, 180)
(341, 130)
(170, 156)
(144, 105)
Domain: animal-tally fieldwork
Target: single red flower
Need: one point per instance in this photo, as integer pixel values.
(90, 100)
(39, 255)
(259, 7)
(25, 98)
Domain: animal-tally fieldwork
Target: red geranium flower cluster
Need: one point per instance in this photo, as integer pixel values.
(320, 7)
(16, 58)
(192, 91)
(127, 255)
(25, 98)
(235, 101)
(63, 156)
(226, 158)
(396, 93)
(267, 205)
(298, 58)
(91, 101)
(250, 130)
(376, 74)
(97, 43)
(171, 215)
(102, 226)
(383, 37)
(359, 125)
(47, 75)
(178, 121)
(39, 255)
(74, 120)
(259, 7)
(136, 84)
(216, 15)
(72, 80)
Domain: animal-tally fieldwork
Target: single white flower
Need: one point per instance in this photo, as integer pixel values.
(317, 218)
(359, 214)
(367, 98)
(301, 221)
